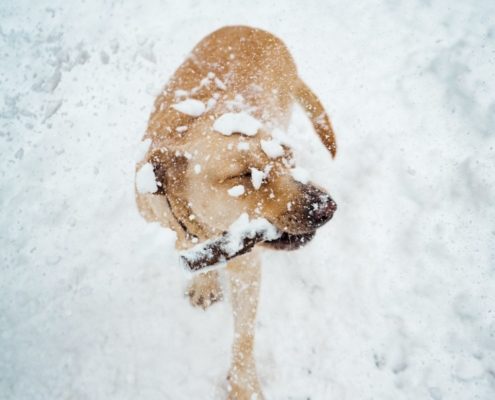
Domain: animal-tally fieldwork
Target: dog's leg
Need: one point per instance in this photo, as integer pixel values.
(205, 289)
(244, 274)
(317, 114)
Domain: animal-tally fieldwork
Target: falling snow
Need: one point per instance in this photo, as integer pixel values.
(393, 299)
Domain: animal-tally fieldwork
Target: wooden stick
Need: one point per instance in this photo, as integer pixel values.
(217, 251)
(240, 237)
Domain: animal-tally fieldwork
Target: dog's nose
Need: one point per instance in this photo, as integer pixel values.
(319, 206)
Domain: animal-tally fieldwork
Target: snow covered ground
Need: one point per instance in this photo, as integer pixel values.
(395, 297)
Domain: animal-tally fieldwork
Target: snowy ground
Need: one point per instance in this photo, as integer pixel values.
(394, 299)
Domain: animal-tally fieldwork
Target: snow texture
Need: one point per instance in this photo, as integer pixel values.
(142, 149)
(191, 107)
(241, 122)
(242, 228)
(272, 148)
(243, 146)
(280, 136)
(392, 300)
(220, 84)
(257, 177)
(300, 174)
(236, 191)
(146, 180)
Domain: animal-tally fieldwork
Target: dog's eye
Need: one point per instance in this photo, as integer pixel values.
(245, 174)
(240, 176)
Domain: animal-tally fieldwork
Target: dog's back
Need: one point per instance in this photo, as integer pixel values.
(232, 61)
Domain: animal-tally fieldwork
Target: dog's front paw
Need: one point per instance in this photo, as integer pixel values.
(204, 290)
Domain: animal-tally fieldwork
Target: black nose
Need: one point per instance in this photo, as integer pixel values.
(318, 206)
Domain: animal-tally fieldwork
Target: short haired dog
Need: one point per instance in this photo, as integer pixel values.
(217, 149)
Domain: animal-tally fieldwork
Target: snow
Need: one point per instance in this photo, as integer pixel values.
(220, 84)
(272, 148)
(236, 191)
(257, 177)
(191, 107)
(243, 146)
(197, 168)
(242, 228)
(393, 299)
(145, 179)
(300, 174)
(142, 149)
(210, 104)
(282, 137)
(241, 122)
(181, 93)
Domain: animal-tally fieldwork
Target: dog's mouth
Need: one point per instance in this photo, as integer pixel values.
(289, 241)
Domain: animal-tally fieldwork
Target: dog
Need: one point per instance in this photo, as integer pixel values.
(217, 149)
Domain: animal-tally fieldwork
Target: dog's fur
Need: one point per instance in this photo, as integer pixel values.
(256, 65)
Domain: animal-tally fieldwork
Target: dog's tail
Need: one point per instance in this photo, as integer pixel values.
(317, 114)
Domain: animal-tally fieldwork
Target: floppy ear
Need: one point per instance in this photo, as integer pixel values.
(317, 115)
(170, 169)
(154, 207)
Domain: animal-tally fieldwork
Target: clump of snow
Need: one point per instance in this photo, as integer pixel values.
(204, 82)
(243, 146)
(236, 191)
(220, 84)
(239, 104)
(210, 103)
(181, 129)
(257, 177)
(243, 228)
(272, 148)
(282, 137)
(145, 179)
(300, 174)
(191, 107)
(181, 93)
(197, 168)
(241, 122)
(142, 149)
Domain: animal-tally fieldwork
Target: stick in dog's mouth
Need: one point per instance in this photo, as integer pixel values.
(240, 238)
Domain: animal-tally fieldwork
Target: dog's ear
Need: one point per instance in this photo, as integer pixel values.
(170, 170)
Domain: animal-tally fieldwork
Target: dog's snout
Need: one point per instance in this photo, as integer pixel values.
(319, 206)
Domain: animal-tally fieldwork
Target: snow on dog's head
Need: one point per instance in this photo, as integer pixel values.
(232, 165)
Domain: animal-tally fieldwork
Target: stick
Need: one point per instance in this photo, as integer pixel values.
(239, 239)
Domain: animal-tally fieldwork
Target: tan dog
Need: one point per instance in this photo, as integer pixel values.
(217, 150)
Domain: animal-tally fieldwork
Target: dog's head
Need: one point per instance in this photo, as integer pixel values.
(210, 178)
